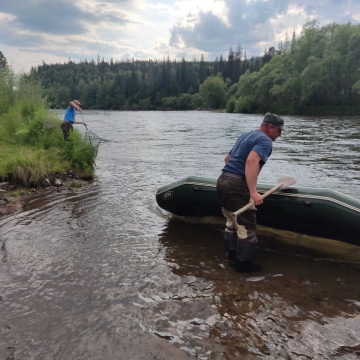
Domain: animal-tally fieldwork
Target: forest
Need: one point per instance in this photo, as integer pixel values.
(315, 72)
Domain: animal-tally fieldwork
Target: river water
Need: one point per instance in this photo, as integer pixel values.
(102, 273)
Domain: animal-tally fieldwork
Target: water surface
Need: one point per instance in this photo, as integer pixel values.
(102, 273)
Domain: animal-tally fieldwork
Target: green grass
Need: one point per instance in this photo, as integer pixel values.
(18, 193)
(31, 140)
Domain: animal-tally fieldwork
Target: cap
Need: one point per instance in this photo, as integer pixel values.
(274, 119)
(77, 102)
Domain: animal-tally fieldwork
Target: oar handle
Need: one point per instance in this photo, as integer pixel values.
(269, 192)
(244, 208)
(252, 202)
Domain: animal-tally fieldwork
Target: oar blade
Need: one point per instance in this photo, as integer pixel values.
(286, 181)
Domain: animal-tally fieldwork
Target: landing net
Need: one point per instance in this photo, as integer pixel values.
(93, 140)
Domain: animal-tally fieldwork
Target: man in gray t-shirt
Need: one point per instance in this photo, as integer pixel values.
(237, 185)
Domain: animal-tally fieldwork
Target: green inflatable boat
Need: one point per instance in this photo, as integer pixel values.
(312, 211)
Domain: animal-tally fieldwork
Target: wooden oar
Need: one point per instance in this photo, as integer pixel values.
(281, 183)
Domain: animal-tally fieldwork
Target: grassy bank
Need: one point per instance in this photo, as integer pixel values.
(31, 140)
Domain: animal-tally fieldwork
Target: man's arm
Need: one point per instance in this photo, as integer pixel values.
(251, 174)
(76, 106)
(81, 123)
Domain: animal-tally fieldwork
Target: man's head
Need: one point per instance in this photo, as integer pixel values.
(77, 102)
(272, 125)
(274, 119)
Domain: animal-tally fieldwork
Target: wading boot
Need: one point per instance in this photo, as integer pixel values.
(230, 238)
(247, 267)
(245, 253)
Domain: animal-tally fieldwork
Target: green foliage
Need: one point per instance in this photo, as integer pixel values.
(168, 103)
(7, 94)
(319, 71)
(25, 166)
(230, 105)
(144, 104)
(185, 102)
(3, 61)
(135, 85)
(182, 102)
(79, 155)
(31, 140)
(245, 104)
(18, 193)
(196, 101)
(212, 92)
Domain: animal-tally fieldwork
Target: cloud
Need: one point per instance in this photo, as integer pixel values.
(248, 24)
(205, 35)
(255, 25)
(58, 17)
(36, 30)
(62, 29)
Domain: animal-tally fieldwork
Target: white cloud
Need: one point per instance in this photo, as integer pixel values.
(6, 18)
(38, 30)
(356, 16)
(285, 24)
(189, 11)
(21, 60)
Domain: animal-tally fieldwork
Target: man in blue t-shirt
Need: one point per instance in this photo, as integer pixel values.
(237, 185)
(69, 118)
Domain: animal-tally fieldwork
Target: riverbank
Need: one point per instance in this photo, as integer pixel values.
(12, 196)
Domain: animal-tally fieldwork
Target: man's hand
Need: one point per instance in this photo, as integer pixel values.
(258, 199)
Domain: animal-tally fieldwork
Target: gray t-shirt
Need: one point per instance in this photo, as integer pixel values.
(255, 140)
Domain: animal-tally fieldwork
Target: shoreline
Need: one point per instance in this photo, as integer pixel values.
(12, 196)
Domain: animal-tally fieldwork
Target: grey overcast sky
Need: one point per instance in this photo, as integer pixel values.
(33, 31)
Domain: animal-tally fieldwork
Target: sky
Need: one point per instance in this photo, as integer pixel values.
(33, 32)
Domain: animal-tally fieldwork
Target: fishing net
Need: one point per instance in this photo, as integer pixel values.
(94, 140)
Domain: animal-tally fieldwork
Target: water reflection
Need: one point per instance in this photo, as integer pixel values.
(263, 314)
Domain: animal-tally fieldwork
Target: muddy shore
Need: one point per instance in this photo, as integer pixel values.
(12, 196)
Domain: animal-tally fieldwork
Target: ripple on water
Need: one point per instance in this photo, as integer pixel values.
(101, 271)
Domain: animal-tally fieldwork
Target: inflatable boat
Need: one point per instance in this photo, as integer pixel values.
(317, 212)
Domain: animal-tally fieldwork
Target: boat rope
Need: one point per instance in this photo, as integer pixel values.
(278, 193)
(319, 197)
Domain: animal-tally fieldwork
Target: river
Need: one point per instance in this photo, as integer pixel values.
(102, 273)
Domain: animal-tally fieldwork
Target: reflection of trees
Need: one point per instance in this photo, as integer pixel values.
(258, 314)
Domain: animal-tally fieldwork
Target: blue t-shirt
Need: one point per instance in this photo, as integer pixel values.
(70, 114)
(255, 140)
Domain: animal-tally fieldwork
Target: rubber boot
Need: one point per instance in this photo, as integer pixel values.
(230, 238)
(245, 253)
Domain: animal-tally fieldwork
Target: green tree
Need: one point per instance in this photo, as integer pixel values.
(3, 61)
(7, 94)
(103, 99)
(212, 91)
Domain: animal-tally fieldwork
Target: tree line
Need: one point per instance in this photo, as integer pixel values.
(315, 72)
(137, 84)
